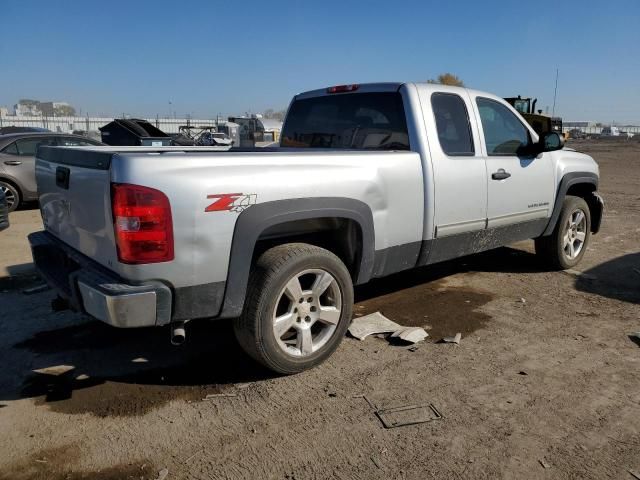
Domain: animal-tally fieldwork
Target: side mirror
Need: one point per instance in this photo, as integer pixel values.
(550, 142)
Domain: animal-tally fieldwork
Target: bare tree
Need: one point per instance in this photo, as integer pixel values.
(447, 79)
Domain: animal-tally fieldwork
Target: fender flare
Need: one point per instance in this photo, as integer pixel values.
(569, 179)
(257, 218)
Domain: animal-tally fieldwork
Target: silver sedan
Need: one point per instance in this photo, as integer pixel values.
(17, 162)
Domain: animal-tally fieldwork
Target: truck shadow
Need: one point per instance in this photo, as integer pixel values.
(89, 367)
(504, 260)
(93, 368)
(618, 278)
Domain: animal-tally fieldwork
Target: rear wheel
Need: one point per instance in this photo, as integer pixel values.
(12, 195)
(566, 246)
(298, 307)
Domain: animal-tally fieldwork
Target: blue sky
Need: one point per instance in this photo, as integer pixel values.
(205, 57)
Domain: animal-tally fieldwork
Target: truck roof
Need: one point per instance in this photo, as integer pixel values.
(394, 86)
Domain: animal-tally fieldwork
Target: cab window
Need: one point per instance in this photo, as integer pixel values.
(452, 123)
(504, 133)
(368, 121)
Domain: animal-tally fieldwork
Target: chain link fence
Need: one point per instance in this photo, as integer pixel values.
(92, 124)
(594, 130)
(171, 125)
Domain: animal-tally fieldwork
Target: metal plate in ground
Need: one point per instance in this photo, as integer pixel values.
(408, 415)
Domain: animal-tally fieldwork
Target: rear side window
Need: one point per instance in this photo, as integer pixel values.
(452, 122)
(504, 134)
(74, 142)
(27, 146)
(369, 121)
(11, 149)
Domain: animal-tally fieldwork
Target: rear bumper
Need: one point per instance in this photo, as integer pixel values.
(92, 289)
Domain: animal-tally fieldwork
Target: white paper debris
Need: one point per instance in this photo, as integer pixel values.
(410, 334)
(55, 370)
(367, 325)
(162, 474)
(455, 339)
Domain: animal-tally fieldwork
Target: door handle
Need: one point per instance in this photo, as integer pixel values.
(13, 162)
(500, 174)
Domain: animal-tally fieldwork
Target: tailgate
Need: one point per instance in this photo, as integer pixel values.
(74, 189)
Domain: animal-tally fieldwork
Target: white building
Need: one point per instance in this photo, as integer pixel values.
(29, 109)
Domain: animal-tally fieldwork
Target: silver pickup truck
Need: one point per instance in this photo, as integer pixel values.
(368, 180)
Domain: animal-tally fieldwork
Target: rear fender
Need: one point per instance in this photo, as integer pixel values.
(257, 219)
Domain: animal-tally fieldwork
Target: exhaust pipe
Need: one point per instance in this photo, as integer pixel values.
(178, 333)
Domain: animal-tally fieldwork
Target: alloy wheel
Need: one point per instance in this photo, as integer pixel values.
(307, 312)
(575, 234)
(9, 195)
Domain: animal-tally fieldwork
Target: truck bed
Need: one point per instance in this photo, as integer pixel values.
(80, 213)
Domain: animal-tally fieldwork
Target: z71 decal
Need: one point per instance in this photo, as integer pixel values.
(231, 202)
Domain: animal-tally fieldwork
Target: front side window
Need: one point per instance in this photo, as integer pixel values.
(369, 121)
(504, 133)
(27, 147)
(452, 122)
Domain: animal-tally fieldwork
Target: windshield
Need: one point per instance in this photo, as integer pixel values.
(371, 121)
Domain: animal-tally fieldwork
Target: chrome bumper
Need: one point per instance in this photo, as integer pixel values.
(90, 288)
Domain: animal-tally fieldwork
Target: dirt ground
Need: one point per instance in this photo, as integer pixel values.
(545, 383)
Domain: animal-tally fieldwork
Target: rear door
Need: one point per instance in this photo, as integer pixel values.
(460, 175)
(520, 186)
(18, 161)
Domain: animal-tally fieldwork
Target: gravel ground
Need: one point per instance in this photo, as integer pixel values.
(545, 383)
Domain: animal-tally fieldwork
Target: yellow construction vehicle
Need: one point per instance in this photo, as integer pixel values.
(526, 106)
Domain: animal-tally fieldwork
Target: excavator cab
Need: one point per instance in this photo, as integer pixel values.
(540, 123)
(523, 105)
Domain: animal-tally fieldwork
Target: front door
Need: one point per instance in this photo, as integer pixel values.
(520, 187)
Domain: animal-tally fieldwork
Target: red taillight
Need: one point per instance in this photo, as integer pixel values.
(142, 224)
(343, 88)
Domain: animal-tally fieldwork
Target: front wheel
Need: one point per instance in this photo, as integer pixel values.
(298, 307)
(566, 246)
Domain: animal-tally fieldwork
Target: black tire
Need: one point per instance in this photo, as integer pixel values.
(12, 195)
(268, 279)
(551, 249)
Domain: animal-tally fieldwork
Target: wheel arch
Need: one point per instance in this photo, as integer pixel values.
(580, 184)
(282, 221)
